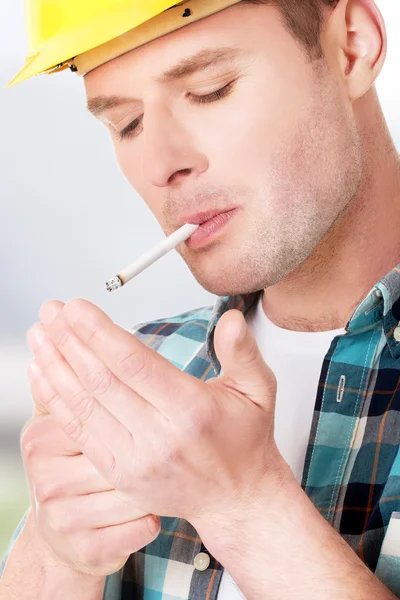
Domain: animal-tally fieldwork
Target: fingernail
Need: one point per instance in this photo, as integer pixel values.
(34, 371)
(72, 312)
(48, 313)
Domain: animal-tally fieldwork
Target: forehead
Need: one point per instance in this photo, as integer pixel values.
(237, 27)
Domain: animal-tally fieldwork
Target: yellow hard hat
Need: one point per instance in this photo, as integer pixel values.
(84, 34)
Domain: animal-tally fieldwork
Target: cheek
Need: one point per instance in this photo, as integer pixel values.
(262, 119)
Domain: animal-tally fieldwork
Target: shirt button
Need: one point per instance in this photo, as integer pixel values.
(202, 561)
(396, 334)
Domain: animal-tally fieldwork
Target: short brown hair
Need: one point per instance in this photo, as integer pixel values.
(303, 19)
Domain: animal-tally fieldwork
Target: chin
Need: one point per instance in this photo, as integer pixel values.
(224, 285)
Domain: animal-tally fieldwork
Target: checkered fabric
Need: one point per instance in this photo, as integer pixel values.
(352, 467)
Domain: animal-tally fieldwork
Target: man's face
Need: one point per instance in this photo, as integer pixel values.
(279, 142)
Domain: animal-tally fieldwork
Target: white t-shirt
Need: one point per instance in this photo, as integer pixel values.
(296, 359)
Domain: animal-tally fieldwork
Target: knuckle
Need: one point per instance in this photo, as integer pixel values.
(92, 328)
(60, 522)
(28, 441)
(34, 433)
(109, 464)
(133, 366)
(46, 489)
(74, 430)
(62, 337)
(82, 404)
(170, 453)
(68, 523)
(153, 525)
(99, 380)
(119, 478)
(49, 396)
(196, 421)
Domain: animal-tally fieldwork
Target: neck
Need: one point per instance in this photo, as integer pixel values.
(362, 246)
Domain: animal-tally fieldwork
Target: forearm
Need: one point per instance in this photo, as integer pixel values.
(31, 573)
(289, 550)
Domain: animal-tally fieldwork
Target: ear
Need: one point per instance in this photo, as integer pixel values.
(360, 33)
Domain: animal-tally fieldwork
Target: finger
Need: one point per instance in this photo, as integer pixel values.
(242, 362)
(119, 399)
(44, 436)
(151, 375)
(130, 537)
(110, 546)
(84, 421)
(34, 373)
(66, 478)
(91, 511)
(64, 380)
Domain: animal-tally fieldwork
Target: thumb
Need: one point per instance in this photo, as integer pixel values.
(243, 366)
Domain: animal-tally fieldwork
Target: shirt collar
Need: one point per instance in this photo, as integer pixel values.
(380, 307)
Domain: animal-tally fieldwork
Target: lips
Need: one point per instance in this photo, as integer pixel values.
(203, 217)
(210, 229)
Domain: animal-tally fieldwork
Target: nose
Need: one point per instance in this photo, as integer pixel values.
(169, 154)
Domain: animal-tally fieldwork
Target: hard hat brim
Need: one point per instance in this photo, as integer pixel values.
(28, 70)
(85, 57)
(67, 44)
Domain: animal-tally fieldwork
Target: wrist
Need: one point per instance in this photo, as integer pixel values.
(227, 532)
(59, 579)
(63, 582)
(287, 532)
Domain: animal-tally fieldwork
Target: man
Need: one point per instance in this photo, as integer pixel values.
(258, 440)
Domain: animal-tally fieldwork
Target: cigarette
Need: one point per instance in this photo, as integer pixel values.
(150, 257)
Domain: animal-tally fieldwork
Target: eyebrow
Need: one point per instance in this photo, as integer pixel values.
(199, 62)
(100, 104)
(189, 65)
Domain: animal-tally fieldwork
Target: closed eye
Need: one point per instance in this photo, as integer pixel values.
(132, 130)
(214, 96)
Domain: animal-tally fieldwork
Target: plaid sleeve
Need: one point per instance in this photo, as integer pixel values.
(12, 542)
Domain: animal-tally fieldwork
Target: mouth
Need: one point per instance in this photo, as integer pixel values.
(211, 225)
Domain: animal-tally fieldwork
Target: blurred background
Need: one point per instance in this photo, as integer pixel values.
(69, 221)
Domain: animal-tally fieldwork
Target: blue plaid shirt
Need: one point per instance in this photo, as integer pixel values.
(352, 467)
